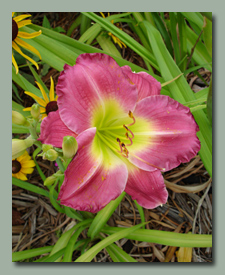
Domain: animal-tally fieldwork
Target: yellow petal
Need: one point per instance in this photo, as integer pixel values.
(43, 92)
(102, 14)
(21, 176)
(23, 23)
(15, 64)
(51, 92)
(27, 46)
(21, 17)
(38, 99)
(43, 116)
(29, 164)
(28, 35)
(42, 110)
(28, 170)
(16, 48)
(27, 109)
(56, 98)
(13, 13)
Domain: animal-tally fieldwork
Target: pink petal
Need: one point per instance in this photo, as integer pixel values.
(89, 185)
(83, 88)
(146, 84)
(53, 130)
(147, 188)
(172, 135)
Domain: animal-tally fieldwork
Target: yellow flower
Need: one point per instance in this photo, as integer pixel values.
(47, 104)
(115, 39)
(17, 23)
(22, 166)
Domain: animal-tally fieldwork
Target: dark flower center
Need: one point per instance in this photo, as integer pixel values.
(51, 107)
(16, 166)
(14, 30)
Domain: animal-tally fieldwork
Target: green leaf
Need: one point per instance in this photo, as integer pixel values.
(181, 91)
(209, 103)
(163, 237)
(207, 33)
(200, 55)
(69, 248)
(64, 239)
(162, 29)
(103, 216)
(107, 45)
(89, 255)
(46, 23)
(118, 255)
(30, 253)
(129, 41)
(30, 187)
(74, 25)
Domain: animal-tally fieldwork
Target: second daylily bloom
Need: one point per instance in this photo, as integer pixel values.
(127, 134)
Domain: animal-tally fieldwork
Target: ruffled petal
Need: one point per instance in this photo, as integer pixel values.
(53, 130)
(171, 137)
(146, 84)
(83, 88)
(89, 184)
(147, 188)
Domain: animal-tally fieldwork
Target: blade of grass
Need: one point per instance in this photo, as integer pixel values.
(173, 29)
(164, 237)
(30, 253)
(85, 23)
(162, 29)
(103, 216)
(30, 187)
(74, 25)
(107, 45)
(118, 255)
(69, 248)
(183, 40)
(89, 255)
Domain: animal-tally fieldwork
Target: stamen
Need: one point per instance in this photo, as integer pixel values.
(129, 131)
(127, 136)
(121, 149)
(125, 151)
(131, 116)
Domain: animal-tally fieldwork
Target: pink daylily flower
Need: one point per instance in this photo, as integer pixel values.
(127, 134)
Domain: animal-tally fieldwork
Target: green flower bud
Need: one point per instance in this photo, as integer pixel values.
(46, 147)
(35, 111)
(20, 145)
(19, 119)
(50, 180)
(51, 155)
(69, 147)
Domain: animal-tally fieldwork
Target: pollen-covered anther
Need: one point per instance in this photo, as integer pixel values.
(130, 114)
(127, 136)
(128, 130)
(125, 151)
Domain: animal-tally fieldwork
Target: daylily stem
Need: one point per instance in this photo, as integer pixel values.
(60, 164)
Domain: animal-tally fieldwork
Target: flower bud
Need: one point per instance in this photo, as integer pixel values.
(50, 180)
(19, 119)
(51, 155)
(20, 145)
(35, 111)
(46, 147)
(69, 147)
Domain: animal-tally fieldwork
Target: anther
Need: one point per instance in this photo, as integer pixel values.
(130, 114)
(128, 130)
(127, 136)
